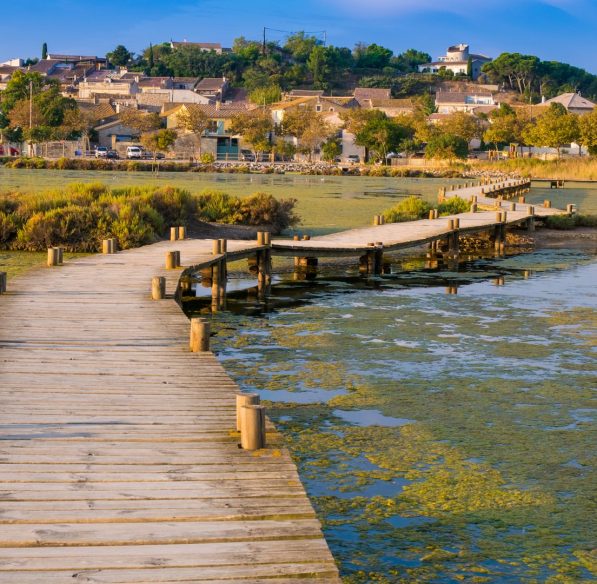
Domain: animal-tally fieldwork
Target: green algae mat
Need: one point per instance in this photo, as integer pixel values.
(442, 438)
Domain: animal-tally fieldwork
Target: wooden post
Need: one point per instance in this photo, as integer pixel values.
(473, 207)
(182, 232)
(3, 280)
(512, 206)
(199, 339)
(158, 288)
(114, 244)
(431, 214)
(547, 204)
(474, 198)
(378, 264)
(223, 245)
(522, 199)
(177, 259)
(376, 220)
(252, 427)
(570, 209)
(435, 213)
(170, 260)
(173, 233)
(267, 238)
(244, 399)
(215, 247)
(106, 246)
(52, 256)
(59, 256)
(297, 259)
(306, 237)
(261, 238)
(531, 219)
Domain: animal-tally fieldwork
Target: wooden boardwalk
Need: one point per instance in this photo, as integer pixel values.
(118, 459)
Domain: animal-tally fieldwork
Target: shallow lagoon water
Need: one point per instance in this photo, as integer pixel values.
(442, 438)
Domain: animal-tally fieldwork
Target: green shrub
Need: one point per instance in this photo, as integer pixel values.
(566, 222)
(264, 209)
(410, 209)
(207, 158)
(453, 206)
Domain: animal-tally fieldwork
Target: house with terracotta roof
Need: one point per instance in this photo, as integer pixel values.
(573, 102)
(457, 59)
(364, 95)
(217, 139)
(212, 87)
(107, 83)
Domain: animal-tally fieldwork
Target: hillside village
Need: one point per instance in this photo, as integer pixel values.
(78, 105)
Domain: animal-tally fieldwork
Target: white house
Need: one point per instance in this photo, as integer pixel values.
(448, 102)
(456, 60)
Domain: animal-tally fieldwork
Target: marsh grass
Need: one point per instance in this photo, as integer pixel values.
(568, 168)
(79, 215)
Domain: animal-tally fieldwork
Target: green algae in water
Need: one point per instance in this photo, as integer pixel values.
(491, 477)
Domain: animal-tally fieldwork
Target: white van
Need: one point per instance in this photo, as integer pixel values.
(134, 152)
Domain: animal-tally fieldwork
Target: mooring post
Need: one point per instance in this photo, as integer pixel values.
(252, 427)
(378, 267)
(171, 260)
(244, 399)
(52, 256)
(570, 208)
(173, 233)
(177, 258)
(522, 199)
(473, 207)
(60, 255)
(512, 206)
(3, 282)
(158, 288)
(297, 259)
(106, 246)
(547, 204)
(199, 338)
(114, 245)
(182, 232)
(531, 219)
(261, 238)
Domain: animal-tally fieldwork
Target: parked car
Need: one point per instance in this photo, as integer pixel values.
(112, 154)
(8, 150)
(101, 152)
(353, 159)
(134, 152)
(247, 156)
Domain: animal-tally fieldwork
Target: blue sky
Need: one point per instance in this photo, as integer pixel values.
(564, 30)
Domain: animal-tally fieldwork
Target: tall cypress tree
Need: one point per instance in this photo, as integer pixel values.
(44, 51)
(151, 59)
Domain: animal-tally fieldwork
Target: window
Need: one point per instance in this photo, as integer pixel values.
(318, 107)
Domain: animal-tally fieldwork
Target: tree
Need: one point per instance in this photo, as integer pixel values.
(300, 45)
(587, 131)
(44, 51)
(150, 58)
(505, 127)
(140, 121)
(319, 66)
(372, 56)
(194, 120)
(308, 127)
(469, 68)
(382, 135)
(120, 56)
(409, 61)
(266, 95)
(446, 147)
(158, 141)
(554, 128)
(255, 127)
(461, 124)
(331, 149)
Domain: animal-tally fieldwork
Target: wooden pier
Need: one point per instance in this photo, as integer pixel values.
(119, 458)
(119, 455)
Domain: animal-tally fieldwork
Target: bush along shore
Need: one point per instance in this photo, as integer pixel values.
(79, 216)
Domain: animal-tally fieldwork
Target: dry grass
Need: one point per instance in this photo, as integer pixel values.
(568, 168)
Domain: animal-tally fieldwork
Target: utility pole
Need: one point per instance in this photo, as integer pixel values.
(30, 115)
(264, 29)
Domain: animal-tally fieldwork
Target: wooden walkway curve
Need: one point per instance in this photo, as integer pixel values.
(118, 458)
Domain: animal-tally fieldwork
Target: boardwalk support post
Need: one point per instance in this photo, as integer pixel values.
(252, 427)
(52, 256)
(531, 219)
(199, 339)
(158, 288)
(3, 279)
(244, 399)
